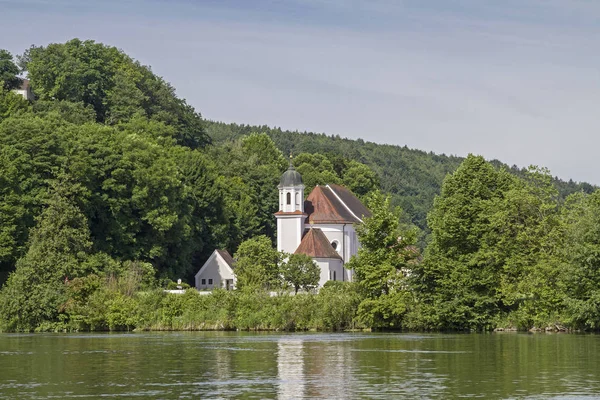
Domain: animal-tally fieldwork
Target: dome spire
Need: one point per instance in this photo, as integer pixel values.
(291, 177)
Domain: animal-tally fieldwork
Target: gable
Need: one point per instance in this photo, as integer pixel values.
(316, 245)
(334, 204)
(219, 260)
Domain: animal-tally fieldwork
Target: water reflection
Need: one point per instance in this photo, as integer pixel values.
(293, 366)
(290, 368)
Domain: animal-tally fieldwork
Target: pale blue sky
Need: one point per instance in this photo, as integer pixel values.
(517, 80)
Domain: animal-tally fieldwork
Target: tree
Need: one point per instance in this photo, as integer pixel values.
(12, 103)
(524, 241)
(115, 86)
(581, 261)
(315, 169)
(457, 283)
(8, 71)
(382, 264)
(58, 249)
(30, 153)
(360, 179)
(251, 170)
(257, 264)
(300, 272)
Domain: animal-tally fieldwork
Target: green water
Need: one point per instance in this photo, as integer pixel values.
(289, 366)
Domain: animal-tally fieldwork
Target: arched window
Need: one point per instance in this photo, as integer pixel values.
(289, 198)
(334, 244)
(297, 199)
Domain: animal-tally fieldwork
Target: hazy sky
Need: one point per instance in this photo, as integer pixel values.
(516, 80)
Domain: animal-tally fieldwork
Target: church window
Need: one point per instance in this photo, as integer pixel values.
(334, 244)
(334, 276)
(297, 199)
(289, 198)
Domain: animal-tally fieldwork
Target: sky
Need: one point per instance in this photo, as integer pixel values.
(514, 80)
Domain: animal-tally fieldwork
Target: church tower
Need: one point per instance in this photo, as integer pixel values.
(291, 216)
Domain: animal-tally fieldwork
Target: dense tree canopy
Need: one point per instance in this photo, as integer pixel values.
(382, 264)
(9, 71)
(116, 87)
(412, 177)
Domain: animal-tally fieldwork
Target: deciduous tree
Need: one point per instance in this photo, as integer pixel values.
(300, 272)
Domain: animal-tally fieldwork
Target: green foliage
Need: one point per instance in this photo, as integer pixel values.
(8, 72)
(300, 272)
(315, 169)
(257, 265)
(411, 177)
(35, 291)
(360, 179)
(581, 261)
(12, 104)
(116, 87)
(382, 264)
(337, 306)
(495, 253)
(250, 171)
(457, 284)
(75, 113)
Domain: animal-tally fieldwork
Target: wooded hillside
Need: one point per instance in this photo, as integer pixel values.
(412, 177)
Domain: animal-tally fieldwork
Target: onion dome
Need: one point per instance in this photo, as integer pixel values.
(291, 177)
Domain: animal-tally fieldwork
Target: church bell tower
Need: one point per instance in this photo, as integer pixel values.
(291, 216)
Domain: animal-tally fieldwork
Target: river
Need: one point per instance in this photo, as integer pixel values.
(186, 365)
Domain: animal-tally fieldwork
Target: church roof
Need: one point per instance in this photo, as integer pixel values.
(334, 204)
(316, 245)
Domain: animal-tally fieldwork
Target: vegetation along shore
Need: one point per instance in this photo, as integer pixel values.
(112, 187)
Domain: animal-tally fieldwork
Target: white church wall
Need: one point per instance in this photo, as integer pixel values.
(345, 237)
(331, 269)
(289, 233)
(351, 240)
(334, 233)
(323, 264)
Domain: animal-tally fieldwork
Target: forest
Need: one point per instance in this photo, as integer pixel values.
(112, 187)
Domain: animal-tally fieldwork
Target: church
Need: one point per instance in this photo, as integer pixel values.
(322, 227)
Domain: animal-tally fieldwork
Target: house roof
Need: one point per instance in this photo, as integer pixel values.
(226, 256)
(334, 204)
(316, 245)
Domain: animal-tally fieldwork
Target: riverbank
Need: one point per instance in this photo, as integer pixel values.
(332, 309)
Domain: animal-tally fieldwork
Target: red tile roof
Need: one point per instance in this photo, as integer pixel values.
(334, 204)
(315, 244)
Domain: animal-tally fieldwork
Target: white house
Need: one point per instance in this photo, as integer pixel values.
(24, 90)
(217, 272)
(322, 226)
